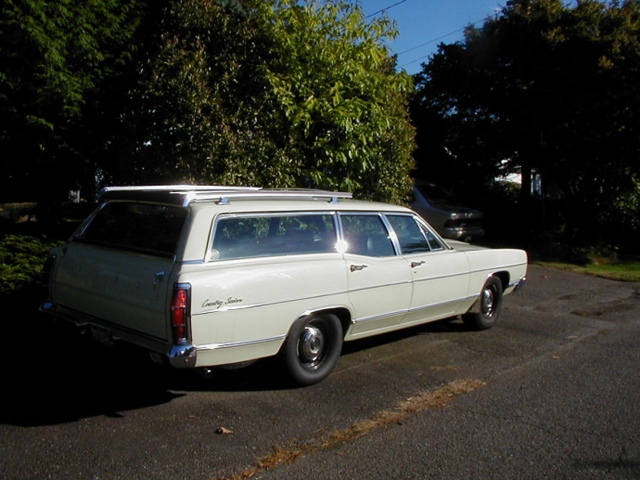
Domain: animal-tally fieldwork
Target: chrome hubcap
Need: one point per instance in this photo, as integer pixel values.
(487, 302)
(311, 345)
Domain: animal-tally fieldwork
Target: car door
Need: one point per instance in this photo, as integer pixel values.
(440, 276)
(379, 281)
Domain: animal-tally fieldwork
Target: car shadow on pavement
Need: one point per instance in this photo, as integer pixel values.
(451, 325)
(266, 374)
(52, 374)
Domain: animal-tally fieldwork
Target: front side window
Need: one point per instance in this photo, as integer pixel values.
(366, 235)
(410, 235)
(266, 235)
(434, 242)
(140, 227)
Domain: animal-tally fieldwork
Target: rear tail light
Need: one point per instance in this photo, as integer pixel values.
(180, 313)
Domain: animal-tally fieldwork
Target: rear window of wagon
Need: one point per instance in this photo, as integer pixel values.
(140, 227)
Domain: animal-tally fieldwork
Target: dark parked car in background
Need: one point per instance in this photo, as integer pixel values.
(450, 220)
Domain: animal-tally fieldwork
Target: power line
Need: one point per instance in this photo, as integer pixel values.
(425, 43)
(436, 39)
(385, 9)
(433, 41)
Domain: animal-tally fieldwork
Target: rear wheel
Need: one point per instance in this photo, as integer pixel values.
(489, 308)
(312, 348)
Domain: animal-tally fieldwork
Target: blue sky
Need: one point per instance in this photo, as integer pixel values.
(431, 22)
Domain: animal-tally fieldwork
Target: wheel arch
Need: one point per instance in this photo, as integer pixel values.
(343, 314)
(504, 278)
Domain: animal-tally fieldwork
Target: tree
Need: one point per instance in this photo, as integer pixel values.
(548, 88)
(56, 59)
(276, 93)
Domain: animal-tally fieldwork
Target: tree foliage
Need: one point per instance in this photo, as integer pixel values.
(274, 93)
(56, 59)
(551, 88)
(277, 93)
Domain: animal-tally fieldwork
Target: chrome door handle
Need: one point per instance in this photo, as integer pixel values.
(354, 268)
(417, 264)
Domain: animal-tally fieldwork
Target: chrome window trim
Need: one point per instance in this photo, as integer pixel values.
(390, 232)
(418, 223)
(439, 239)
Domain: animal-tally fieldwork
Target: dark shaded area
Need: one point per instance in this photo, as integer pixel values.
(53, 374)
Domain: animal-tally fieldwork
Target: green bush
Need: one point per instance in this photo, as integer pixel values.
(21, 260)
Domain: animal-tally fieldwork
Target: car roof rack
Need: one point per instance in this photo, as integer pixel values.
(223, 195)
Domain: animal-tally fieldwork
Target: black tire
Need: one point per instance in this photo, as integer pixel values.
(490, 306)
(312, 349)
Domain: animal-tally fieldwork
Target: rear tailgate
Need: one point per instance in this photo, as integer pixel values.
(117, 267)
(124, 288)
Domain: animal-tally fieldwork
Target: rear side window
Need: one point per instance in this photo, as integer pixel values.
(139, 227)
(271, 235)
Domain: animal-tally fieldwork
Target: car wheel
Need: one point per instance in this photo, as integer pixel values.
(489, 308)
(312, 348)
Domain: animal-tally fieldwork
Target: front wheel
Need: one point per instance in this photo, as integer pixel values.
(312, 348)
(489, 308)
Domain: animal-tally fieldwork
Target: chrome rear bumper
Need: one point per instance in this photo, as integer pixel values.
(520, 283)
(178, 356)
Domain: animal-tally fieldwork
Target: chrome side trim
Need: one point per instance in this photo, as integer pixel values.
(428, 279)
(501, 268)
(246, 343)
(432, 305)
(379, 317)
(488, 271)
(265, 304)
(379, 286)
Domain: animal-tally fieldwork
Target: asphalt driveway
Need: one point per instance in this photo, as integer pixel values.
(552, 391)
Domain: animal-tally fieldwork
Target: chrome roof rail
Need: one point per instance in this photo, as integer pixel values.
(186, 194)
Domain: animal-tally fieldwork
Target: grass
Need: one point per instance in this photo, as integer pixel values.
(619, 270)
(290, 454)
(21, 260)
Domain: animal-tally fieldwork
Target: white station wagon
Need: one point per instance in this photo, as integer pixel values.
(212, 276)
